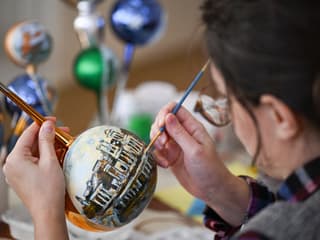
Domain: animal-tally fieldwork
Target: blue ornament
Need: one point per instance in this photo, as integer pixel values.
(20, 125)
(26, 88)
(137, 22)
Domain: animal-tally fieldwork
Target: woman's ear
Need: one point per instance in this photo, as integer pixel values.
(285, 121)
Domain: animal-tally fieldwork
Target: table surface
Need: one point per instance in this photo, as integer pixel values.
(155, 204)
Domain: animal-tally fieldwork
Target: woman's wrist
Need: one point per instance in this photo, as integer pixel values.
(40, 210)
(50, 224)
(230, 199)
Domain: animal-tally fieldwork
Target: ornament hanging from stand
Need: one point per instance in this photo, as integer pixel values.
(27, 44)
(25, 87)
(95, 67)
(136, 23)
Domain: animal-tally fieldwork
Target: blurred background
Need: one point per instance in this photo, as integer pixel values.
(174, 57)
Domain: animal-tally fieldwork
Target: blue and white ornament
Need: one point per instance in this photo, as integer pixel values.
(137, 22)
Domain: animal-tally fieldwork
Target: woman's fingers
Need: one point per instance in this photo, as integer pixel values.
(46, 143)
(27, 138)
(179, 133)
(160, 122)
(160, 158)
(186, 119)
(192, 125)
(168, 154)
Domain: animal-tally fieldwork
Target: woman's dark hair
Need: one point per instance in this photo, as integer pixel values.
(267, 47)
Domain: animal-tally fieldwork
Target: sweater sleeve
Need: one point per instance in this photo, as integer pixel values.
(260, 198)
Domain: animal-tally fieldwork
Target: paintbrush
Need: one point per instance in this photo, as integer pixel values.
(179, 104)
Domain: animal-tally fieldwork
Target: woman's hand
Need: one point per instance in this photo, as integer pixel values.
(33, 171)
(188, 150)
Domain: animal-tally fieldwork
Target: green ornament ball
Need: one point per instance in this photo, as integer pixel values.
(94, 68)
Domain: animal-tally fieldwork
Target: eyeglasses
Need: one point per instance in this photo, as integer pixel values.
(213, 106)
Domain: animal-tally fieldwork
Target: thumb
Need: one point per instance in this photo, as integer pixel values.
(46, 141)
(179, 133)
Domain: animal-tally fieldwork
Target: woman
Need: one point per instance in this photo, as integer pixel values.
(264, 60)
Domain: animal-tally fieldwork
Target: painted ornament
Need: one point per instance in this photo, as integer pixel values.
(28, 43)
(109, 179)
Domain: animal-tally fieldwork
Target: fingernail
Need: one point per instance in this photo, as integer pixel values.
(171, 119)
(162, 139)
(164, 164)
(48, 127)
(158, 144)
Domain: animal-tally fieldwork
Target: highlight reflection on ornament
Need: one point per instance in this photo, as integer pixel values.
(28, 43)
(110, 178)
